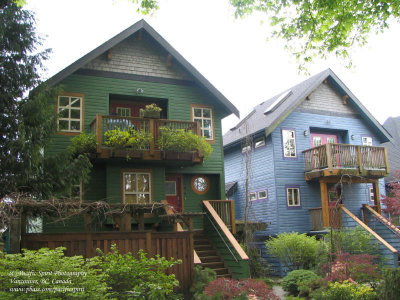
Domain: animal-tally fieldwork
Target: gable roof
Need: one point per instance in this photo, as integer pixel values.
(393, 147)
(269, 114)
(142, 24)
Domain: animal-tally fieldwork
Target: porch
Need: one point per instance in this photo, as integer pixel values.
(342, 159)
(103, 123)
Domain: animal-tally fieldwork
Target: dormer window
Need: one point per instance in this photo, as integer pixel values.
(70, 114)
(204, 116)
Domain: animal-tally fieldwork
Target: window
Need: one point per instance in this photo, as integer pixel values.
(246, 148)
(34, 225)
(204, 116)
(252, 196)
(170, 188)
(317, 141)
(123, 111)
(137, 187)
(69, 110)
(371, 195)
(263, 194)
(259, 142)
(200, 184)
(289, 143)
(293, 197)
(366, 141)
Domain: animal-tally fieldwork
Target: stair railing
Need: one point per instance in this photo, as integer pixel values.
(213, 217)
(381, 219)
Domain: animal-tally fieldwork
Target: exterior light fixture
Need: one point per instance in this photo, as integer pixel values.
(305, 132)
(353, 137)
(140, 91)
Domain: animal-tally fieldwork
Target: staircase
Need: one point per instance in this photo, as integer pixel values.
(209, 256)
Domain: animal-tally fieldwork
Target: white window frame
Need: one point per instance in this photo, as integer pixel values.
(290, 191)
(125, 110)
(371, 194)
(266, 194)
(246, 148)
(286, 140)
(70, 108)
(255, 196)
(201, 120)
(136, 192)
(259, 142)
(368, 142)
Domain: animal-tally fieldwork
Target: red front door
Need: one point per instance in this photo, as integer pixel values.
(126, 108)
(173, 191)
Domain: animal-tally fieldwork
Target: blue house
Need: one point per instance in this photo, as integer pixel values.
(315, 161)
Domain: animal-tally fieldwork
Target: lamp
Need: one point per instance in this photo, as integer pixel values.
(140, 91)
(352, 137)
(305, 132)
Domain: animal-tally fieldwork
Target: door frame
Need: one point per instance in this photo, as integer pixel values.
(179, 192)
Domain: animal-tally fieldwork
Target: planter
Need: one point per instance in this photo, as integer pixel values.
(172, 155)
(128, 153)
(150, 114)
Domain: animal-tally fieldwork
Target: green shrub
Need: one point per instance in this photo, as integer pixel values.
(180, 140)
(297, 278)
(48, 274)
(351, 240)
(294, 250)
(345, 291)
(202, 278)
(142, 278)
(83, 143)
(390, 286)
(132, 138)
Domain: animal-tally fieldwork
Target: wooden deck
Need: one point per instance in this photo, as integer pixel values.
(178, 245)
(104, 123)
(342, 159)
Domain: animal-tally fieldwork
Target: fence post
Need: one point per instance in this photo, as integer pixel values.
(149, 249)
(14, 234)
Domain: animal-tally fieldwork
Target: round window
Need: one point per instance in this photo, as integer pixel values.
(200, 184)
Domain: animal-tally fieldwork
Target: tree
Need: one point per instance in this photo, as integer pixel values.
(320, 27)
(27, 114)
(392, 199)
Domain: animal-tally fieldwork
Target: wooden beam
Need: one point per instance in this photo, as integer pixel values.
(324, 203)
(88, 222)
(377, 196)
(149, 248)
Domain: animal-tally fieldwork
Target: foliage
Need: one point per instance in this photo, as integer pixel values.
(345, 291)
(151, 108)
(132, 138)
(258, 266)
(85, 143)
(351, 240)
(48, 274)
(202, 278)
(389, 287)
(224, 288)
(320, 27)
(142, 278)
(294, 279)
(294, 250)
(27, 114)
(180, 140)
(392, 200)
(360, 267)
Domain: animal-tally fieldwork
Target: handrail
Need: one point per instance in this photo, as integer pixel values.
(383, 220)
(365, 227)
(225, 230)
(226, 211)
(169, 211)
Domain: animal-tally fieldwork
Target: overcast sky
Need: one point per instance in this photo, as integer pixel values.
(232, 54)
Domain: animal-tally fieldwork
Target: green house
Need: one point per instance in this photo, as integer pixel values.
(106, 90)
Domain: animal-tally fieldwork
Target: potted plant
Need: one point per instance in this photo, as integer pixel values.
(131, 142)
(85, 143)
(182, 144)
(150, 111)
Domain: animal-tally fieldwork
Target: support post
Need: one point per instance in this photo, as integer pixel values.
(14, 234)
(324, 203)
(88, 222)
(377, 196)
(329, 156)
(99, 132)
(154, 134)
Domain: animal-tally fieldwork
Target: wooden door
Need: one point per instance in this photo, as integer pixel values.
(173, 191)
(318, 139)
(126, 108)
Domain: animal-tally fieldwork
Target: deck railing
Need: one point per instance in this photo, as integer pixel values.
(343, 156)
(104, 123)
(335, 218)
(226, 211)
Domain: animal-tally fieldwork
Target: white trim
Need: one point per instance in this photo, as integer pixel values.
(258, 140)
(255, 196)
(125, 110)
(70, 108)
(266, 194)
(287, 139)
(292, 195)
(202, 120)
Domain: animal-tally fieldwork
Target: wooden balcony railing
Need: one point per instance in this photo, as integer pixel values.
(103, 123)
(226, 211)
(335, 218)
(351, 159)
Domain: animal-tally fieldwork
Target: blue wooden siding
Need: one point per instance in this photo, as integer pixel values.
(262, 177)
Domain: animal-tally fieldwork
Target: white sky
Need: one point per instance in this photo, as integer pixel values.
(232, 54)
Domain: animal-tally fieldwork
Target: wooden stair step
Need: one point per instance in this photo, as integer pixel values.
(224, 276)
(221, 271)
(212, 265)
(206, 252)
(210, 258)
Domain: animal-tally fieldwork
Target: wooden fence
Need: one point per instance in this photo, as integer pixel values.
(178, 245)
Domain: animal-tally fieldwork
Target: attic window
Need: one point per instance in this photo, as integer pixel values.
(278, 101)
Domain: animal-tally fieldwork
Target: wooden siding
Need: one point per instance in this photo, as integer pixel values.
(140, 57)
(174, 244)
(262, 177)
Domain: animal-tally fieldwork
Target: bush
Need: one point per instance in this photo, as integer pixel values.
(294, 250)
(298, 278)
(83, 143)
(345, 291)
(142, 278)
(48, 274)
(224, 288)
(202, 278)
(132, 138)
(389, 288)
(351, 240)
(257, 265)
(180, 140)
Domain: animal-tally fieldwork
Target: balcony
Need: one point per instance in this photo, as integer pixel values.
(152, 152)
(342, 159)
